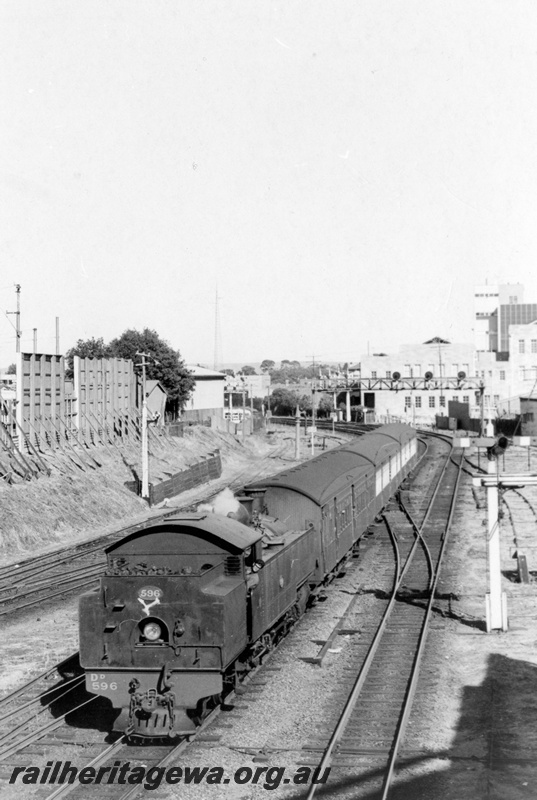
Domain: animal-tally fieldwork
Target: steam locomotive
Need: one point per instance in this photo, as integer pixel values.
(187, 606)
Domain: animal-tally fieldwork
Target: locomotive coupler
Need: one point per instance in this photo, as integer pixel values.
(151, 714)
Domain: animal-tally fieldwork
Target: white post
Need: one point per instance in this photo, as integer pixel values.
(313, 422)
(297, 433)
(348, 407)
(145, 449)
(495, 600)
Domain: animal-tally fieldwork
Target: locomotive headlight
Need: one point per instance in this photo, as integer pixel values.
(152, 631)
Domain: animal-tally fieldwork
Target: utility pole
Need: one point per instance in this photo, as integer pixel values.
(482, 404)
(57, 336)
(35, 340)
(145, 423)
(313, 420)
(313, 407)
(297, 433)
(243, 413)
(17, 314)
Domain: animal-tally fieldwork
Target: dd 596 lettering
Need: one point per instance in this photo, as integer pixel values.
(100, 685)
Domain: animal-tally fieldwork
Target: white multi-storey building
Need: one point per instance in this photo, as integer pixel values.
(489, 299)
(503, 357)
(506, 345)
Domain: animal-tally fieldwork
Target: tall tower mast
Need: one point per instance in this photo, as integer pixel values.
(217, 336)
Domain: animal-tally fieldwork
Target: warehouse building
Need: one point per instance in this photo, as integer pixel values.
(207, 397)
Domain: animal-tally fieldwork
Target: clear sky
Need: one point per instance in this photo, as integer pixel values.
(344, 171)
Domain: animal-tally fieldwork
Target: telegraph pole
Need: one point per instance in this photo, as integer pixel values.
(313, 407)
(17, 314)
(313, 420)
(145, 423)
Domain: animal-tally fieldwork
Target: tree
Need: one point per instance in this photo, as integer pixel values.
(165, 366)
(325, 407)
(248, 370)
(283, 402)
(267, 365)
(89, 348)
(305, 403)
(229, 372)
(12, 369)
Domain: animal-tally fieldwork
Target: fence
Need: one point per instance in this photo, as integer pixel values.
(205, 470)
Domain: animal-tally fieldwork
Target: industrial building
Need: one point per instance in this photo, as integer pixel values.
(428, 363)
(506, 345)
(503, 357)
(207, 397)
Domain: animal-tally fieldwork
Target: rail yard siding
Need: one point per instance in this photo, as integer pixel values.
(202, 472)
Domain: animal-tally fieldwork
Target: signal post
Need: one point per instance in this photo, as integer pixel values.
(495, 484)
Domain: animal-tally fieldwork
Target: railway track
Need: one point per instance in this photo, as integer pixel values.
(354, 428)
(36, 708)
(374, 704)
(63, 730)
(38, 742)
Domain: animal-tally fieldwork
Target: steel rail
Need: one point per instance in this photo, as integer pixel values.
(20, 590)
(37, 734)
(421, 646)
(77, 680)
(19, 606)
(362, 675)
(400, 573)
(46, 707)
(425, 546)
(39, 567)
(100, 759)
(8, 698)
